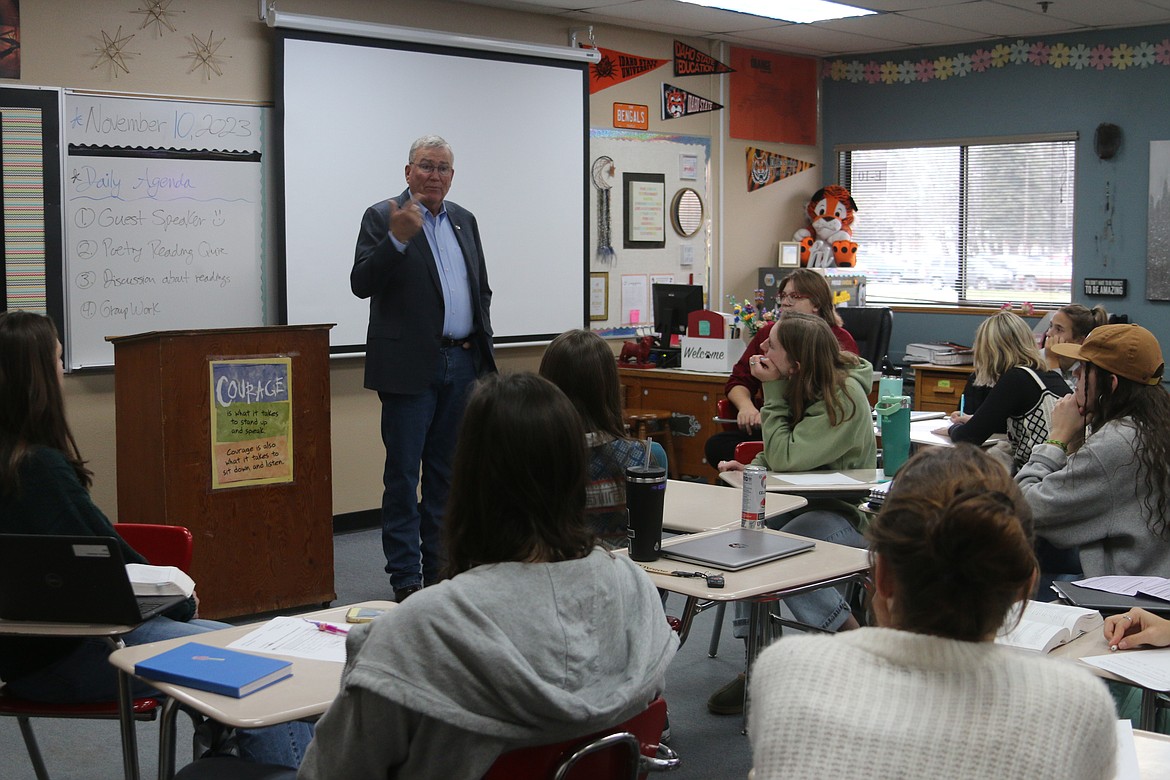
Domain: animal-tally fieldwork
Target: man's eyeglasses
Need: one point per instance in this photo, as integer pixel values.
(429, 167)
(792, 296)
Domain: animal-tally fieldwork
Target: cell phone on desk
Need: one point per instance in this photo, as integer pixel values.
(362, 614)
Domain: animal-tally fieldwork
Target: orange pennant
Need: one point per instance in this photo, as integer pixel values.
(616, 67)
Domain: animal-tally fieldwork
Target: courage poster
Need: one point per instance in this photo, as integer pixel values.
(251, 422)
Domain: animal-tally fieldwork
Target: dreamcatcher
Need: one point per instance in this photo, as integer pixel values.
(603, 181)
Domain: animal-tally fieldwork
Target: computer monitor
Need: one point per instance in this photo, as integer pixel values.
(673, 303)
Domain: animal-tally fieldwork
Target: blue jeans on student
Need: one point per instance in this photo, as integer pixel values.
(416, 428)
(825, 609)
(87, 675)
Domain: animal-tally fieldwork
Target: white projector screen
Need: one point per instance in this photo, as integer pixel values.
(518, 126)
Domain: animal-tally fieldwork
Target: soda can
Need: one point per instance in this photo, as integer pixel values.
(754, 493)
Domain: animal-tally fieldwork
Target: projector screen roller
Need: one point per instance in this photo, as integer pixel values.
(518, 126)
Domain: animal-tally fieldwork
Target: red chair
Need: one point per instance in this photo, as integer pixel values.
(746, 451)
(161, 545)
(724, 410)
(627, 752)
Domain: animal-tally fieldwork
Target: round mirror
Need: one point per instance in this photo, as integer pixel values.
(686, 212)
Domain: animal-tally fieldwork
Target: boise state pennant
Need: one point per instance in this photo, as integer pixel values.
(614, 67)
(677, 103)
(764, 167)
(689, 61)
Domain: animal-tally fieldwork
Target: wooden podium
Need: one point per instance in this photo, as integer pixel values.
(258, 547)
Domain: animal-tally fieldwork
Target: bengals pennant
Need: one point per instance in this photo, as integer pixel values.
(764, 167)
(677, 103)
(614, 67)
(689, 61)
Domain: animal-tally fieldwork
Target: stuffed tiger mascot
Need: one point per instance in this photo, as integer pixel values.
(827, 241)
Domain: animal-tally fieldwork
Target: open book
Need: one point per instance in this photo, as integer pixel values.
(1045, 626)
(149, 580)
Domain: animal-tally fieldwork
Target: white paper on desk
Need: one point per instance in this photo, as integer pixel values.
(1124, 585)
(1147, 668)
(1127, 762)
(813, 480)
(293, 636)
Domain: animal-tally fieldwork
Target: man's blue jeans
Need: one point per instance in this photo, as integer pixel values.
(421, 428)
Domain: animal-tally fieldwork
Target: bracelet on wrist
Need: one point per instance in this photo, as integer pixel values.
(1058, 443)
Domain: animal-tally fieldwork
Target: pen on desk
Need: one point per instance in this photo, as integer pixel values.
(328, 628)
(962, 404)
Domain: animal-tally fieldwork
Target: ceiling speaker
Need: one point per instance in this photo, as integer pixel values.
(1107, 140)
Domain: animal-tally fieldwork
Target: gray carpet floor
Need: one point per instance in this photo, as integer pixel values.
(712, 747)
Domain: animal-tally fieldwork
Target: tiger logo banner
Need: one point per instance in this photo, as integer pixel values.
(764, 167)
(614, 67)
(677, 103)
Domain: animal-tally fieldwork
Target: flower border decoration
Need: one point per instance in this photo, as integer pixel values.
(1037, 54)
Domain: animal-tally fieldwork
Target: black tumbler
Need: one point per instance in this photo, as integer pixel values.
(645, 490)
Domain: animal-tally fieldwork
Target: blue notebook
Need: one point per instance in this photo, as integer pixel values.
(214, 669)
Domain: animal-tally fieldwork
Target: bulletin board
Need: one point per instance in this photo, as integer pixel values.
(620, 283)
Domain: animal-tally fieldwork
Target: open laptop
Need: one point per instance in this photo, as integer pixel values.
(70, 579)
(736, 548)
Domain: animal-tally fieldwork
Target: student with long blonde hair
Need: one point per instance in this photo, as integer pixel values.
(1022, 389)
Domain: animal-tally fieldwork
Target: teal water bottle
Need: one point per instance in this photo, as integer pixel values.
(890, 383)
(894, 413)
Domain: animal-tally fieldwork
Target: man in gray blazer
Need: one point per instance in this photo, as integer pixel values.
(420, 262)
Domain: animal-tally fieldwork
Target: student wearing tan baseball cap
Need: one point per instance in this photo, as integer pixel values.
(1109, 494)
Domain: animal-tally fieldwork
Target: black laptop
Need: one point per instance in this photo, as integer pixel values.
(70, 579)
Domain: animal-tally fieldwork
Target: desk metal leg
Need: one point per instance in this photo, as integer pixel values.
(166, 739)
(1148, 717)
(129, 728)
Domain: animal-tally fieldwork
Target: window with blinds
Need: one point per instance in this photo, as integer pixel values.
(978, 223)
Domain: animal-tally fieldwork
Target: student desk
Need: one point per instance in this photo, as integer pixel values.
(111, 633)
(824, 565)
(306, 695)
(1153, 754)
(865, 481)
(690, 507)
(1093, 643)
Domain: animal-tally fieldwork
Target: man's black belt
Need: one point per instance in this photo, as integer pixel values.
(448, 343)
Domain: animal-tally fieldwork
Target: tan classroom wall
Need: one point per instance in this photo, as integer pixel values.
(60, 39)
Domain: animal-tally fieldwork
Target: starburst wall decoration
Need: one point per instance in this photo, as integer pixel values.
(156, 13)
(112, 53)
(205, 55)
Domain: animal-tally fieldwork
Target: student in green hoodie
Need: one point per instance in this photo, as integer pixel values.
(816, 416)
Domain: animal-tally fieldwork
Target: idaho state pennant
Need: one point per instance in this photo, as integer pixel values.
(764, 167)
(614, 67)
(677, 103)
(689, 61)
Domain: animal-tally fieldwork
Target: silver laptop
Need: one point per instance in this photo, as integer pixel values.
(736, 548)
(70, 579)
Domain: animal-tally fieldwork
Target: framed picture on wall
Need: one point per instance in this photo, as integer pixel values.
(645, 210)
(598, 295)
(789, 254)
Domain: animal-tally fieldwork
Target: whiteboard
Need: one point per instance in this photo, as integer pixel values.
(518, 127)
(164, 220)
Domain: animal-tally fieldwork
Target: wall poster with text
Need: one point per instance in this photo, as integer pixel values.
(251, 422)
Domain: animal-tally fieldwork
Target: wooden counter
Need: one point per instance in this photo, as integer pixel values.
(939, 388)
(689, 393)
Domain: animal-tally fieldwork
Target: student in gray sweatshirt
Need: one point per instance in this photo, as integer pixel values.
(1109, 494)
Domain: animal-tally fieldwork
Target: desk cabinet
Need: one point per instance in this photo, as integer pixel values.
(939, 388)
(686, 393)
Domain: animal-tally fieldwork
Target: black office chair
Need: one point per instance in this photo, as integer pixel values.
(871, 329)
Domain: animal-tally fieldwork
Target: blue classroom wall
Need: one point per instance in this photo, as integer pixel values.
(1020, 99)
